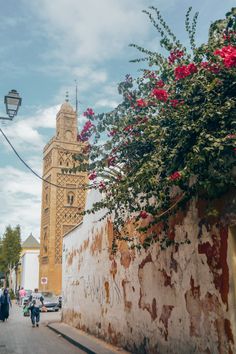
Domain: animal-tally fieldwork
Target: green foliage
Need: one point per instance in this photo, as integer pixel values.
(173, 136)
(10, 248)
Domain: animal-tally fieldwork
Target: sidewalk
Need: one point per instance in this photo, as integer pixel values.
(90, 344)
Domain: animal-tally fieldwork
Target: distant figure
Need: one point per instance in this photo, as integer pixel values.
(22, 294)
(5, 302)
(18, 296)
(1, 292)
(36, 300)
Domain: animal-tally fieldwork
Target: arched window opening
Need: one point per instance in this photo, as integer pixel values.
(70, 198)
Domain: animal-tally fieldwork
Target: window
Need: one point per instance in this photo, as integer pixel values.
(70, 198)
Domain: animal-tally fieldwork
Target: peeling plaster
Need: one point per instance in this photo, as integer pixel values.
(172, 301)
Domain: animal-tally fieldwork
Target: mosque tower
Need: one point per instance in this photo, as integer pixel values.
(61, 207)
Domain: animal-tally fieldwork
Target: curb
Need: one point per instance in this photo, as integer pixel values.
(71, 340)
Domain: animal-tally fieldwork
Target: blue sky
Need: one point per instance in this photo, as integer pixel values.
(44, 46)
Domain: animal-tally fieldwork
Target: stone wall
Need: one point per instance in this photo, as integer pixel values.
(180, 300)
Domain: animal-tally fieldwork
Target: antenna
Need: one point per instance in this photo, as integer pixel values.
(76, 98)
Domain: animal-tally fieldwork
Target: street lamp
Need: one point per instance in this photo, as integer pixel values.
(12, 102)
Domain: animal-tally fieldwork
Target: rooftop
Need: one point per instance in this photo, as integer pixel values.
(30, 242)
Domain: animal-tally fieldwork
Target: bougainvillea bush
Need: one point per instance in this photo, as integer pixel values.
(173, 136)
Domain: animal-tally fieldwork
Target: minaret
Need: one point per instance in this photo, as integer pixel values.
(61, 207)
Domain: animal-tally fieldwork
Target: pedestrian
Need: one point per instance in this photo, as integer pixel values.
(22, 294)
(36, 300)
(18, 296)
(5, 303)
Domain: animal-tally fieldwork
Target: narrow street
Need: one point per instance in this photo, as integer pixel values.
(18, 337)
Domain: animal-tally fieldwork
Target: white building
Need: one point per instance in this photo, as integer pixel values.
(30, 263)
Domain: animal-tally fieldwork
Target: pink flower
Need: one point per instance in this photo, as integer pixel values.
(174, 103)
(176, 54)
(161, 95)
(89, 112)
(228, 53)
(149, 74)
(88, 125)
(143, 214)
(192, 68)
(176, 175)
(86, 131)
(214, 68)
(111, 161)
(160, 84)
(205, 64)
(92, 175)
(102, 185)
(231, 136)
(129, 128)
(183, 71)
(141, 103)
(229, 35)
(112, 132)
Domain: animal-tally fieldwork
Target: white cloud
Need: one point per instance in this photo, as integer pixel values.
(91, 30)
(24, 134)
(106, 103)
(20, 195)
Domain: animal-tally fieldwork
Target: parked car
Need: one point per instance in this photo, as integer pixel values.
(50, 302)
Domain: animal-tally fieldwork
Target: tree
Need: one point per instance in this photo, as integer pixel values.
(10, 249)
(173, 137)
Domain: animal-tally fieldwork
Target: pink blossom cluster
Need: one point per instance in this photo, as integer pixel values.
(141, 102)
(160, 84)
(228, 36)
(143, 214)
(175, 103)
(185, 70)
(89, 112)
(228, 53)
(176, 54)
(112, 132)
(92, 176)
(231, 136)
(214, 68)
(111, 161)
(175, 176)
(102, 185)
(160, 94)
(86, 131)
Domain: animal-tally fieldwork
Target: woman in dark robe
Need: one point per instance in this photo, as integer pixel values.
(5, 302)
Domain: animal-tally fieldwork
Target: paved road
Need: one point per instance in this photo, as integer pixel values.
(18, 337)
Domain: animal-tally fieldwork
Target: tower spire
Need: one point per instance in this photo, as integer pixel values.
(76, 98)
(67, 97)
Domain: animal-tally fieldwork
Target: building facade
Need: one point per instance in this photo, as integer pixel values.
(63, 197)
(178, 300)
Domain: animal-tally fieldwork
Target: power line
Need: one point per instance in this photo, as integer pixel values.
(35, 173)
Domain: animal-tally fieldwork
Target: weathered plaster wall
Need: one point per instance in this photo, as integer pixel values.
(175, 301)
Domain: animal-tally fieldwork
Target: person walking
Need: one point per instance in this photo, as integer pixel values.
(22, 294)
(36, 300)
(5, 303)
(18, 296)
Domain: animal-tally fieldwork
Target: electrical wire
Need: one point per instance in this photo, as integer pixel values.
(35, 173)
